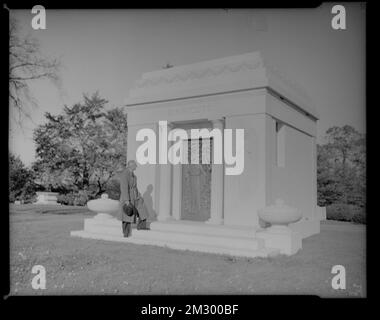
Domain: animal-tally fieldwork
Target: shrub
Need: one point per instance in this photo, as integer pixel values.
(359, 217)
(30, 199)
(21, 181)
(79, 198)
(66, 199)
(345, 212)
(339, 212)
(113, 189)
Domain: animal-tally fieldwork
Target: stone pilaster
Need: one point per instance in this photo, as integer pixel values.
(165, 191)
(217, 183)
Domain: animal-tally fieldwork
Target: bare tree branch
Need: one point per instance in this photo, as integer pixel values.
(26, 63)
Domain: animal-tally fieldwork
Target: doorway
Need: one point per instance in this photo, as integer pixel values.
(196, 181)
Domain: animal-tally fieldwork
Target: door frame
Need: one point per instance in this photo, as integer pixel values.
(177, 185)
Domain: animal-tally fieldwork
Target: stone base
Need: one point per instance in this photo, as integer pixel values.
(282, 238)
(321, 213)
(206, 237)
(53, 203)
(306, 227)
(215, 222)
(46, 197)
(184, 235)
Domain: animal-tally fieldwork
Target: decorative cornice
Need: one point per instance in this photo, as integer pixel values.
(201, 73)
(289, 83)
(236, 73)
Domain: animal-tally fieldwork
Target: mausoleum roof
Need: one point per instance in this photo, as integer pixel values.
(230, 74)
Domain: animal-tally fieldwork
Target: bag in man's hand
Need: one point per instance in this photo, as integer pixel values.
(129, 209)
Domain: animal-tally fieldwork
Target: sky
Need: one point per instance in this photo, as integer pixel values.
(108, 50)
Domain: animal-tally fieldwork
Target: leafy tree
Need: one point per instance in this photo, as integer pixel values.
(328, 184)
(81, 148)
(21, 184)
(342, 167)
(26, 64)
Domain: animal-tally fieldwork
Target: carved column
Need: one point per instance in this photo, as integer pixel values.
(177, 185)
(217, 183)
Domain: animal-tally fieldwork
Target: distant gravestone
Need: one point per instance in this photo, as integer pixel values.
(47, 198)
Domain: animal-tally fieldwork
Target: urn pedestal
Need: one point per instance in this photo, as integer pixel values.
(279, 235)
(104, 207)
(104, 222)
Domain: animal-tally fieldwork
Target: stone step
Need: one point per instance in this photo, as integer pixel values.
(188, 227)
(201, 239)
(106, 226)
(140, 237)
(113, 228)
(184, 235)
(193, 227)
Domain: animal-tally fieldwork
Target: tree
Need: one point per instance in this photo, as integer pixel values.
(26, 64)
(342, 167)
(21, 180)
(81, 148)
(328, 184)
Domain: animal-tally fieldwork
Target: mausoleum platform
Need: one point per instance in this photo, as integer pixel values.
(183, 235)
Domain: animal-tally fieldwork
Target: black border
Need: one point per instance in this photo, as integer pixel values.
(250, 306)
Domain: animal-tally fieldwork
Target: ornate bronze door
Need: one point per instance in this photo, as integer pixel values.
(196, 183)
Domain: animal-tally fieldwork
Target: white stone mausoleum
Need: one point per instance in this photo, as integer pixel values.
(198, 206)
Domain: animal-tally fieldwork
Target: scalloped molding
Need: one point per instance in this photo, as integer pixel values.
(244, 72)
(199, 74)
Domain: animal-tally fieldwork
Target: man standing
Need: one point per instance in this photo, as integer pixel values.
(130, 193)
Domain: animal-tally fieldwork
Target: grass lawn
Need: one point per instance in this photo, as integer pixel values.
(40, 235)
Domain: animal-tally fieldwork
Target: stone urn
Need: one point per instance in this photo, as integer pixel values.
(279, 215)
(104, 207)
